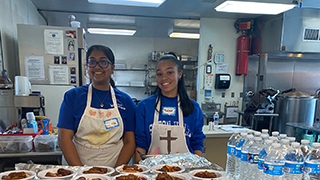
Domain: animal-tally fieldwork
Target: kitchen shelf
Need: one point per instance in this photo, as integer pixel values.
(131, 86)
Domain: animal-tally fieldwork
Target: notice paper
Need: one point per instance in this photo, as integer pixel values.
(34, 67)
(53, 41)
(58, 74)
(222, 68)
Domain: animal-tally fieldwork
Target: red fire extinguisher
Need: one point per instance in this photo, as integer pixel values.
(242, 54)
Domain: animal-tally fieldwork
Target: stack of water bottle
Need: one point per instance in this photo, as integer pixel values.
(256, 156)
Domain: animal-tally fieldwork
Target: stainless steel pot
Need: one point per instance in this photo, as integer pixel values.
(294, 107)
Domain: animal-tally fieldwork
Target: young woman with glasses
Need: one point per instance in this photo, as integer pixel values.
(96, 121)
(169, 122)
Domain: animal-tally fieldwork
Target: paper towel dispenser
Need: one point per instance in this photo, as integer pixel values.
(222, 81)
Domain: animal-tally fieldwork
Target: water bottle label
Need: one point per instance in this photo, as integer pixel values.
(261, 164)
(244, 156)
(273, 169)
(238, 152)
(231, 150)
(312, 168)
(253, 158)
(294, 168)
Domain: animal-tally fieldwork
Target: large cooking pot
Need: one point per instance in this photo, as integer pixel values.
(294, 107)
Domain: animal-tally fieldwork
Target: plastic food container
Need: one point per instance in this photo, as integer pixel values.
(14, 144)
(45, 142)
(220, 175)
(30, 174)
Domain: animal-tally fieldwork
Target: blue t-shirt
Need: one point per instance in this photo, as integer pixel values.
(75, 102)
(144, 119)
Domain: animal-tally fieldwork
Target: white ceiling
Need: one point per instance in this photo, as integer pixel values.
(150, 22)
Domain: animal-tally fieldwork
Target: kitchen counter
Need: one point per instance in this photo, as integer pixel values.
(215, 144)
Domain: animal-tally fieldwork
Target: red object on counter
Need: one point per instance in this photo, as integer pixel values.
(242, 54)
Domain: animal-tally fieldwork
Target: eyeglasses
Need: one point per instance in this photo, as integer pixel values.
(102, 64)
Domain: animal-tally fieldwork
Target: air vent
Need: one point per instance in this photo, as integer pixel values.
(311, 34)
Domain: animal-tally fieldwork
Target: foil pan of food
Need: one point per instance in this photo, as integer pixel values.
(188, 160)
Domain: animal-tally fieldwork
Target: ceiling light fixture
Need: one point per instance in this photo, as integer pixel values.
(184, 33)
(272, 7)
(121, 32)
(144, 3)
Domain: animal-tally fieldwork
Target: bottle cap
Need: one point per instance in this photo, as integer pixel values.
(243, 134)
(250, 136)
(295, 144)
(275, 133)
(264, 130)
(305, 141)
(285, 141)
(292, 139)
(283, 135)
(273, 138)
(257, 138)
(315, 145)
(30, 116)
(257, 133)
(236, 132)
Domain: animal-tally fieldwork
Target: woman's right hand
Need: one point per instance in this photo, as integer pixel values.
(68, 148)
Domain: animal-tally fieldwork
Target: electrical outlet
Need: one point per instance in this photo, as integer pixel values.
(232, 94)
(241, 94)
(223, 95)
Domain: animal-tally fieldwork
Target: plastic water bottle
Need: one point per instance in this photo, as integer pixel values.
(282, 136)
(231, 151)
(273, 139)
(253, 158)
(312, 163)
(238, 154)
(275, 134)
(294, 163)
(216, 119)
(264, 137)
(32, 123)
(257, 134)
(305, 147)
(265, 131)
(274, 163)
(262, 155)
(244, 156)
(285, 145)
(291, 140)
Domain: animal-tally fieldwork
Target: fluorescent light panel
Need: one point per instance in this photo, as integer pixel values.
(144, 3)
(121, 32)
(184, 35)
(254, 7)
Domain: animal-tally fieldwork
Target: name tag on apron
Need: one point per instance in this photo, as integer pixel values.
(169, 111)
(111, 123)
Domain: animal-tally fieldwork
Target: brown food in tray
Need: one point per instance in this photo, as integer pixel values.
(15, 175)
(130, 177)
(83, 178)
(167, 168)
(131, 168)
(205, 174)
(96, 170)
(165, 176)
(60, 172)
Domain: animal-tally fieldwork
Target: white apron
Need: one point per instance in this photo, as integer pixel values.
(167, 139)
(98, 136)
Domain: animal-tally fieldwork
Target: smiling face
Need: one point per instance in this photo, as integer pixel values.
(168, 77)
(100, 76)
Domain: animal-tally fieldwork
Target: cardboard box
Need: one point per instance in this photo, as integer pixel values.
(192, 94)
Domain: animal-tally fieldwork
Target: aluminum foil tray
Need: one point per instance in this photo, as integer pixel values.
(188, 160)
